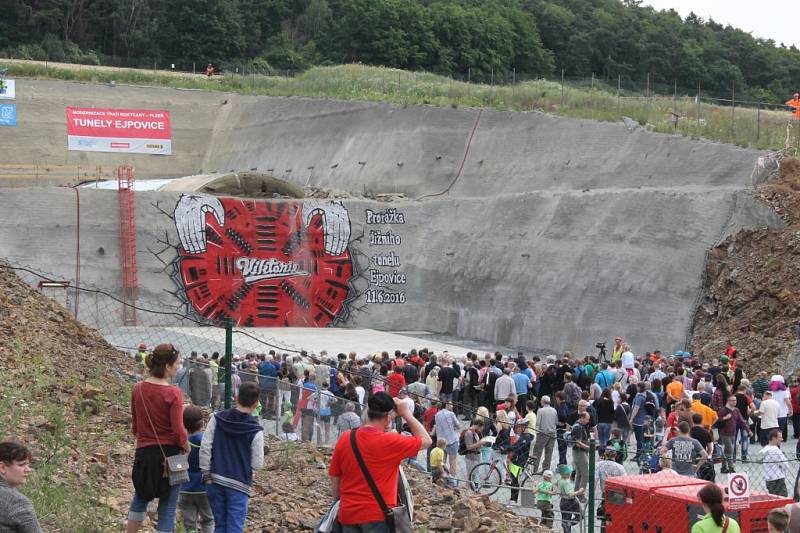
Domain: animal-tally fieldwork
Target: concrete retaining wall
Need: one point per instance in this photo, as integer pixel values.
(557, 234)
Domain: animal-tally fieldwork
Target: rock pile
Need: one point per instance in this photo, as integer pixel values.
(752, 293)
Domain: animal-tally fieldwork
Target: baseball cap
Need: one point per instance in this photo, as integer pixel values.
(547, 474)
(724, 358)
(565, 469)
(142, 346)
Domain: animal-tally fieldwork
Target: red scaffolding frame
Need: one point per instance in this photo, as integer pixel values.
(127, 241)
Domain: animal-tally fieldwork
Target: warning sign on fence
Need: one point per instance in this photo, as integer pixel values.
(738, 491)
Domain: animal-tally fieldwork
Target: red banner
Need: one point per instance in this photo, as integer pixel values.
(119, 130)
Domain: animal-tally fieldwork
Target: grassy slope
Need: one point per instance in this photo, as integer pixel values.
(65, 393)
(359, 82)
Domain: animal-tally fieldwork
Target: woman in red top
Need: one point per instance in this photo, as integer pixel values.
(157, 412)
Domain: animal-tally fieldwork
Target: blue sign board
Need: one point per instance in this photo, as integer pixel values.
(8, 114)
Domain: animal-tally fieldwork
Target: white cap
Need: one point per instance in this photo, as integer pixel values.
(547, 474)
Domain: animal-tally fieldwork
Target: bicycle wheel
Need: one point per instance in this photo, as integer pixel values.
(485, 478)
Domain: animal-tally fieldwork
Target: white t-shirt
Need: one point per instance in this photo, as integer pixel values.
(770, 411)
(628, 360)
(360, 392)
(615, 397)
(780, 396)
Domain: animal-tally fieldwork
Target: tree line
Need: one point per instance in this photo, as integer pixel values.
(604, 38)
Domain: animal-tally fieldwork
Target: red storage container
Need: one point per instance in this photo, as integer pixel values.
(676, 509)
(629, 503)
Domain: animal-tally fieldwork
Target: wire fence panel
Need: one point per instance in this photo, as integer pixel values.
(597, 470)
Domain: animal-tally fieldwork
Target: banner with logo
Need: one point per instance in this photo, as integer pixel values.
(8, 89)
(135, 131)
(8, 115)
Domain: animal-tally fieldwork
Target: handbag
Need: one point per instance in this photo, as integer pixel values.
(329, 523)
(397, 518)
(176, 467)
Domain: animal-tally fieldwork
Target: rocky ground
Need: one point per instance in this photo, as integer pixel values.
(66, 393)
(304, 468)
(752, 292)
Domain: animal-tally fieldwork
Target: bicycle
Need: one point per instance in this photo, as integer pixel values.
(486, 478)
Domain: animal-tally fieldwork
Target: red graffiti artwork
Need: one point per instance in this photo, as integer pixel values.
(264, 263)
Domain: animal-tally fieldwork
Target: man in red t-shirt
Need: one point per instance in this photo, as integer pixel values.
(382, 452)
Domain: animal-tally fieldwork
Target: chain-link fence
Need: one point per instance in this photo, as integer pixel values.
(314, 397)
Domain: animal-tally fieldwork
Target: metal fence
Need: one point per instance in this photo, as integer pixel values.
(301, 404)
(728, 116)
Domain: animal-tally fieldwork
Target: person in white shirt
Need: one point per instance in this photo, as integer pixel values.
(628, 360)
(769, 411)
(656, 374)
(775, 464)
(780, 393)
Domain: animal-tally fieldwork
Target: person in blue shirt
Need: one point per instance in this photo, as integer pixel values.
(521, 385)
(604, 378)
(268, 380)
(193, 499)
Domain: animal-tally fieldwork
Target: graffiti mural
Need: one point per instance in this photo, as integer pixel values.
(265, 263)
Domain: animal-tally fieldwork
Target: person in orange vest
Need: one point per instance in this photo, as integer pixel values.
(795, 104)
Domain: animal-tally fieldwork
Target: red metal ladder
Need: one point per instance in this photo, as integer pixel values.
(127, 241)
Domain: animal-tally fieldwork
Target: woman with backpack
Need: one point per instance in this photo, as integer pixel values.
(622, 414)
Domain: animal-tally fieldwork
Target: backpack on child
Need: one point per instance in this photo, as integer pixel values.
(650, 404)
(462, 442)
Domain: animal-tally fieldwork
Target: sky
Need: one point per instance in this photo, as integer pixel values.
(768, 19)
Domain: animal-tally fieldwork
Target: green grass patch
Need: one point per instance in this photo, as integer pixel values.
(743, 126)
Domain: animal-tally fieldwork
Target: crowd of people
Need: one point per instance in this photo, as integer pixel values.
(672, 410)
(654, 411)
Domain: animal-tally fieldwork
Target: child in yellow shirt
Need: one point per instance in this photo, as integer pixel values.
(437, 461)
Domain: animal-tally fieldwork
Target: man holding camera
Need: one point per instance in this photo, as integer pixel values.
(382, 452)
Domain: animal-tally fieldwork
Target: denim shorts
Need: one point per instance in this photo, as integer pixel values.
(452, 449)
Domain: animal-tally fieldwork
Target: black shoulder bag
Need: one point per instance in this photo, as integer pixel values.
(396, 518)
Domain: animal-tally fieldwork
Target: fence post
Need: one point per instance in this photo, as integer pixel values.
(591, 97)
(590, 496)
(733, 108)
(278, 406)
(619, 95)
(675, 98)
(697, 104)
(758, 123)
(562, 87)
(228, 361)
